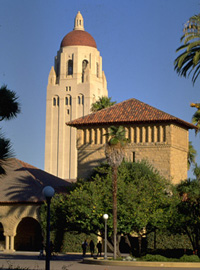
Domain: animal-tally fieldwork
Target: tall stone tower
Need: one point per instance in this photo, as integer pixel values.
(74, 83)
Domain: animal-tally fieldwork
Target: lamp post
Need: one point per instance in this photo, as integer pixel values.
(105, 216)
(48, 192)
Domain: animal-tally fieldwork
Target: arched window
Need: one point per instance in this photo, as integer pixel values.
(82, 99)
(79, 100)
(68, 100)
(70, 67)
(54, 101)
(84, 66)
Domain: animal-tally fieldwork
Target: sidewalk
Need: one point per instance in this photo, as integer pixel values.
(72, 261)
(30, 260)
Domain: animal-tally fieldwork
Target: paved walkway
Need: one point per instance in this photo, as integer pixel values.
(30, 261)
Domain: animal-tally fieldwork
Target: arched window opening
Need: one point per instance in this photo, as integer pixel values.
(79, 100)
(68, 100)
(54, 101)
(58, 101)
(84, 66)
(70, 67)
(82, 100)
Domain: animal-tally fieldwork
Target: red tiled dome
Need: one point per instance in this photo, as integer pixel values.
(78, 37)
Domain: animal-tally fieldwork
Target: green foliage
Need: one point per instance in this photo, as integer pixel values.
(143, 202)
(160, 258)
(9, 108)
(72, 241)
(189, 61)
(191, 155)
(189, 258)
(163, 240)
(102, 103)
(154, 258)
(186, 217)
(117, 135)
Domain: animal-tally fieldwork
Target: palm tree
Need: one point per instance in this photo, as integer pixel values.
(191, 155)
(102, 103)
(196, 171)
(189, 61)
(196, 116)
(114, 152)
(9, 108)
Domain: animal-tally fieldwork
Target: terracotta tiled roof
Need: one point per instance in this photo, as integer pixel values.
(128, 111)
(78, 38)
(23, 183)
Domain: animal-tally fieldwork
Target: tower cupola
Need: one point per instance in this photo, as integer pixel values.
(78, 22)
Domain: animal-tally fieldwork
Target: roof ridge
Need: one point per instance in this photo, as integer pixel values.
(128, 111)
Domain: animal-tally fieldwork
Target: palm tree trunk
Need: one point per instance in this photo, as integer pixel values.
(115, 210)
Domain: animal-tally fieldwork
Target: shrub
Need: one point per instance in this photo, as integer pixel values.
(191, 258)
(154, 258)
(72, 241)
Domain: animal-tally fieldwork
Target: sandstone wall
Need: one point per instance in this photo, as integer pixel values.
(164, 146)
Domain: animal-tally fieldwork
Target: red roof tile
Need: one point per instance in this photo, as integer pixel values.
(23, 183)
(128, 111)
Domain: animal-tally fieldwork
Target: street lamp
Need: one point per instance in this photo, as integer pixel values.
(48, 192)
(105, 216)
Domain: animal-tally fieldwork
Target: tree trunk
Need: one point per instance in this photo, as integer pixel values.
(140, 244)
(115, 210)
(118, 242)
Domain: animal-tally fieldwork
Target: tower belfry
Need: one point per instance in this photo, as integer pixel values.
(75, 82)
(78, 22)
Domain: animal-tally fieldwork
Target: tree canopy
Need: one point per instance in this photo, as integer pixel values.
(9, 108)
(143, 201)
(186, 215)
(189, 60)
(102, 103)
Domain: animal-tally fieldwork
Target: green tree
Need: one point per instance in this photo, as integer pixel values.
(143, 203)
(9, 108)
(191, 155)
(188, 61)
(102, 103)
(196, 116)
(196, 171)
(114, 151)
(186, 218)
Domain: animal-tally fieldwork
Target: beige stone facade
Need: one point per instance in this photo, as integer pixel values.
(74, 83)
(20, 199)
(165, 146)
(14, 217)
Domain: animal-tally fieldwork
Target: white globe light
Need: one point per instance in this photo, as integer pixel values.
(105, 216)
(48, 192)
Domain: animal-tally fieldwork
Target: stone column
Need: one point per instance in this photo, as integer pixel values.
(12, 243)
(7, 243)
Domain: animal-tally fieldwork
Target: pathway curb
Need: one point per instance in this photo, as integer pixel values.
(139, 263)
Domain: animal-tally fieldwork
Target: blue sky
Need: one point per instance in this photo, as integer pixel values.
(137, 40)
